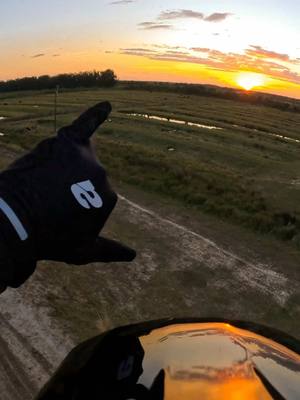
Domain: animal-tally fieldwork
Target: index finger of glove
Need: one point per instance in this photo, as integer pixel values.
(87, 123)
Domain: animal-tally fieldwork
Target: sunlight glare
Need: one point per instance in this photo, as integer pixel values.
(249, 80)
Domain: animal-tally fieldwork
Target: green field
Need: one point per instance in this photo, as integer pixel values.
(239, 185)
(242, 172)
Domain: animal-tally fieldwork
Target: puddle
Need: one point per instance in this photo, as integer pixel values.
(35, 106)
(2, 134)
(1, 118)
(288, 138)
(210, 127)
(285, 138)
(295, 182)
(174, 121)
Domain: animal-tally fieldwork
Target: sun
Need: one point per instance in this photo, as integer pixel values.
(249, 80)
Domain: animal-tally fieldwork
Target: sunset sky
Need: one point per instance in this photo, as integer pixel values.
(216, 42)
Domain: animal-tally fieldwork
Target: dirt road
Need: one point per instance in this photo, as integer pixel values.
(178, 272)
(31, 347)
(260, 277)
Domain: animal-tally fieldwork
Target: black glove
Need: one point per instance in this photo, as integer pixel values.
(54, 201)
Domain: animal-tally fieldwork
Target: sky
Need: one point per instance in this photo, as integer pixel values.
(249, 44)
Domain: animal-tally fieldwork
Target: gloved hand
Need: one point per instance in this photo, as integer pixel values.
(54, 201)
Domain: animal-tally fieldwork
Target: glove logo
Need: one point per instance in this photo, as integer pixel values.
(84, 192)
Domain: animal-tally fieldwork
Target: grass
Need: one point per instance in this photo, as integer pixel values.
(240, 173)
(241, 176)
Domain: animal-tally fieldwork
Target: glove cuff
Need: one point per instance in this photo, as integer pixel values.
(6, 265)
(17, 261)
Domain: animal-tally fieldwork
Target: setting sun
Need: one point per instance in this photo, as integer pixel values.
(249, 80)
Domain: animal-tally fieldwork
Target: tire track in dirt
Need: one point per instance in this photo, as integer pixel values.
(260, 277)
(31, 348)
(13, 382)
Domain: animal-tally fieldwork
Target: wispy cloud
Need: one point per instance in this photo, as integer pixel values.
(38, 55)
(140, 49)
(166, 46)
(153, 53)
(178, 14)
(259, 52)
(154, 25)
(254, 58)
(184, 14)
(162, 21)
(176, 52)
(217, 17)
(113, 3)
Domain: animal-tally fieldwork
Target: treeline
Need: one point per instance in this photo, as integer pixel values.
(107, 78)
(68, 81)
(265, 99)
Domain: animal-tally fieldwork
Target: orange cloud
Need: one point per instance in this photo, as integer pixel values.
(254, 59)
(38, 55)
(258, 51)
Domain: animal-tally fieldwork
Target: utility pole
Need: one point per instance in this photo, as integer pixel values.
(55, 108)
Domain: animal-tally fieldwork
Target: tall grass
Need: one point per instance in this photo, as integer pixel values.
(227, 195)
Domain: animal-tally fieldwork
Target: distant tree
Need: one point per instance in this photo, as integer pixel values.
(105, 78)
(108, 78)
